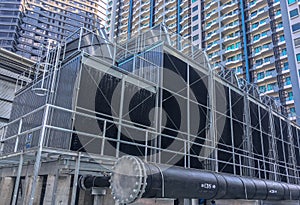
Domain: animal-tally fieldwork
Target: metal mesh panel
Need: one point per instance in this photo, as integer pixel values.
(7, 90)
(27, 101)
(65, 96)
(5, 108)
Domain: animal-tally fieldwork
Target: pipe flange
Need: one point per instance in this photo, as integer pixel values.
(128, 180)
(81, 183)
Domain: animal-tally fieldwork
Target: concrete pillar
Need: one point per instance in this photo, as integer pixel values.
(57, 190)
(236, 202)
(85, 197)
(49, 191)
(154, 202)
(108, 198)
(63, 190)
(6, 190)
(99, 194)
(28, 186)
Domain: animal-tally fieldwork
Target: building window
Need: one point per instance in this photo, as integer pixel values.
(195, 37)
(270, 86)
(281, 38)
(266, 46)
(259, 62)
(294, 13)
(256, 37)
(291, 1)
(279, 25)
(260, 75)
(290, 96)
(296, 27)
(278, 12)
(297, 42)
(255, 25)
(195, 18)
(257, 49)
(253, 13)
(195, 27)
(283, 52)
(288, 81)
(195, 8)
(262, 89)
(285, 66)
(270, 72)
(298, 57)
(264, 33)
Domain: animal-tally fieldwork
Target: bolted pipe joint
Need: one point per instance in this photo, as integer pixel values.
(88, 182)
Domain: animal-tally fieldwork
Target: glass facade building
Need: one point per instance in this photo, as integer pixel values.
(29, 26)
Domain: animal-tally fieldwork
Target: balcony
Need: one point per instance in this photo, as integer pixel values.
(209, 5)
(145, 11)
(253, 5)
(271, 74)
(210, 24)
(231, 25)
(235, 60)
(260, 11)
(211, 14)
(185, 19)
(292, 116)
(287, 84)
(212, 35)
(285, 69)
(289, 100)
(228, 17)
(232, 50)
(261, 36)
(186, 9)
(184, 3)
(171, 11)
(226, 7)
(271, 89)
(170, 18)
(266, 62)
(264, 50)
(229, 38)
(170, 3)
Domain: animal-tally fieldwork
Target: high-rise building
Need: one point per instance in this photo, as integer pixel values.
(249, 37)
(12, 76)
(130, 17)
(27, 26)
(10, 16)
(246, 36)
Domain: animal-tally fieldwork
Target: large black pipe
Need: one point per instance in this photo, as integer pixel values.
(132, 179)
(87, 182)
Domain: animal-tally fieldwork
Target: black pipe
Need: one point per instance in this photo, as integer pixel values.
(132, 179)
(87, 182)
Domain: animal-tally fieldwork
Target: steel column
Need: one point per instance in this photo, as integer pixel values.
(75, 180)
(17, 183)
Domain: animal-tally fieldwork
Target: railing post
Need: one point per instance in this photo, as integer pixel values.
(38, 158)
(80, 38)
(75, 180)
(17, 183)
(18, 135)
